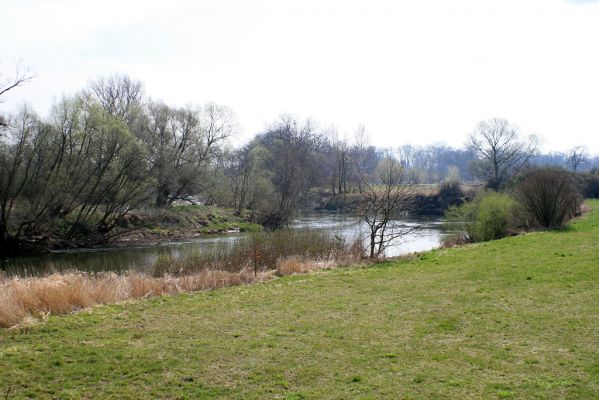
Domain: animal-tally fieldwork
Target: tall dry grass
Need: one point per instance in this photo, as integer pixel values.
(62, 293)
(257, 259)
(34, 298)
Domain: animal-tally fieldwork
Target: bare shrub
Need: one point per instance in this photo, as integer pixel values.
(548, 198)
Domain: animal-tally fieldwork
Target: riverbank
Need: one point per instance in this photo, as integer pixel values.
(150, 227)
(430, 200)
(155, 226)
(513, 318)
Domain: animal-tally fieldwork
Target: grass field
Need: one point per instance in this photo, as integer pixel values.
(514, 318)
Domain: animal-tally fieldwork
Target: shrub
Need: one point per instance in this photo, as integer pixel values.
(487, 217)
(588, 184)
(450, 194)
(548, 198)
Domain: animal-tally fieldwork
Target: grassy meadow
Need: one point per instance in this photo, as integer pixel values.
(514, 318)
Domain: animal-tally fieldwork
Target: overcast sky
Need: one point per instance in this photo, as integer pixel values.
(415, 72)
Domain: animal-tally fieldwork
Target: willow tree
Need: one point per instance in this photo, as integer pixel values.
(71, 177)
(181, 145)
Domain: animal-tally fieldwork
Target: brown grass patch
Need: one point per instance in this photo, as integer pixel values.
(62, 293)
(35, 298)
(259, 258)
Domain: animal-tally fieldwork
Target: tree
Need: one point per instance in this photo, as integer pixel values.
(245, 177)
(119, 96)
(181, 144)
(21, 76)
(72, 177)
(385, 198)
(501, 150)
(576, 158)
(292, 147)
(340, 163)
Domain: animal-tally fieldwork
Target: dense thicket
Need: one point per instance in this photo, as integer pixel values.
(72, 175)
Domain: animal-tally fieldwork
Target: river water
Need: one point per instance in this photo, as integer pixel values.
(426, 235)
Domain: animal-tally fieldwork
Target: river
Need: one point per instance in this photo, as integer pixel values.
(426, 235)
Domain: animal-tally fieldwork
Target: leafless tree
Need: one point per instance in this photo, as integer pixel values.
(21, 76)
(340, 163)
(244, 173)
(501, 150)
(576, 158)
(292, 146)
(386, 198)
(359, 156)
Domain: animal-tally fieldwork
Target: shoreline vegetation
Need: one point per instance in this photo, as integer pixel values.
(509, 318)
(153, 226)
(262, 256)
(24, 300)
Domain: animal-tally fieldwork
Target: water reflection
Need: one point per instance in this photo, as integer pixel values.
(426, 235)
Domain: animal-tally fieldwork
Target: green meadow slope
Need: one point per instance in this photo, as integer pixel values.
(514, 318)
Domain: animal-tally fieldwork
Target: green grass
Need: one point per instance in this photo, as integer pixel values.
(515, 318)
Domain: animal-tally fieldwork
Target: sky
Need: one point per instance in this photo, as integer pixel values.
(418, 72)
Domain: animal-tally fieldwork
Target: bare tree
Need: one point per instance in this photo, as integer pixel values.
(243, 174)
(292, 147)
(501, 150)
(361, 156)
(576, 158)
(339, 163)
(386, 198)
(21, 76)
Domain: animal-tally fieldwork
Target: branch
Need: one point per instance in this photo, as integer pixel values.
(21, 77)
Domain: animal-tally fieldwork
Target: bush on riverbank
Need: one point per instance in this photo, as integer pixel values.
(541, 198)
(487, 217)
(262, 251)
(547, 198)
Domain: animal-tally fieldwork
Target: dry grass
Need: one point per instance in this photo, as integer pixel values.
(295, 265)
(255, 260)
(34, 298)
(61, 293)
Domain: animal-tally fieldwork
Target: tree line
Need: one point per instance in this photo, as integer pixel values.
(111, 148)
